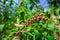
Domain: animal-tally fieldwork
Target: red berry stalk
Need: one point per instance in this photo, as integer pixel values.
(32, 20)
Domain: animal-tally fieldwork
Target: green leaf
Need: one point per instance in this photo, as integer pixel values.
(45, 34)
(44, 25)
(50, 37)
(34, 25)
(1, 27)
(36, 32)
(29, 34)
(51, 25)
(34, 38)
(57, 12)
(27, 2)
(16, 38)
(40, 30)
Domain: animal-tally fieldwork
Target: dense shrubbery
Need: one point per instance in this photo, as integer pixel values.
(47, 28)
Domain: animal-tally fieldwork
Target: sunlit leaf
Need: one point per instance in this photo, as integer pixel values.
(16, 38)
(45, 34)
(51, 25)
(50, 37)
(1, 27)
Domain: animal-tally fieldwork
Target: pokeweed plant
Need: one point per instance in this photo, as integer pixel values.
(35, 27)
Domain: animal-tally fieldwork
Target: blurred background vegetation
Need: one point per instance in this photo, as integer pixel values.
(46, 29)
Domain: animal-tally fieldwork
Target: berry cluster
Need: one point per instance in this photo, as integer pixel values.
(33, 19)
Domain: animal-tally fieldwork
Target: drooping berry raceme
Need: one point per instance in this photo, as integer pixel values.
(30, 21)
(33, 19)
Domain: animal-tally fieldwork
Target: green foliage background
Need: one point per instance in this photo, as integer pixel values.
(39, 30)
